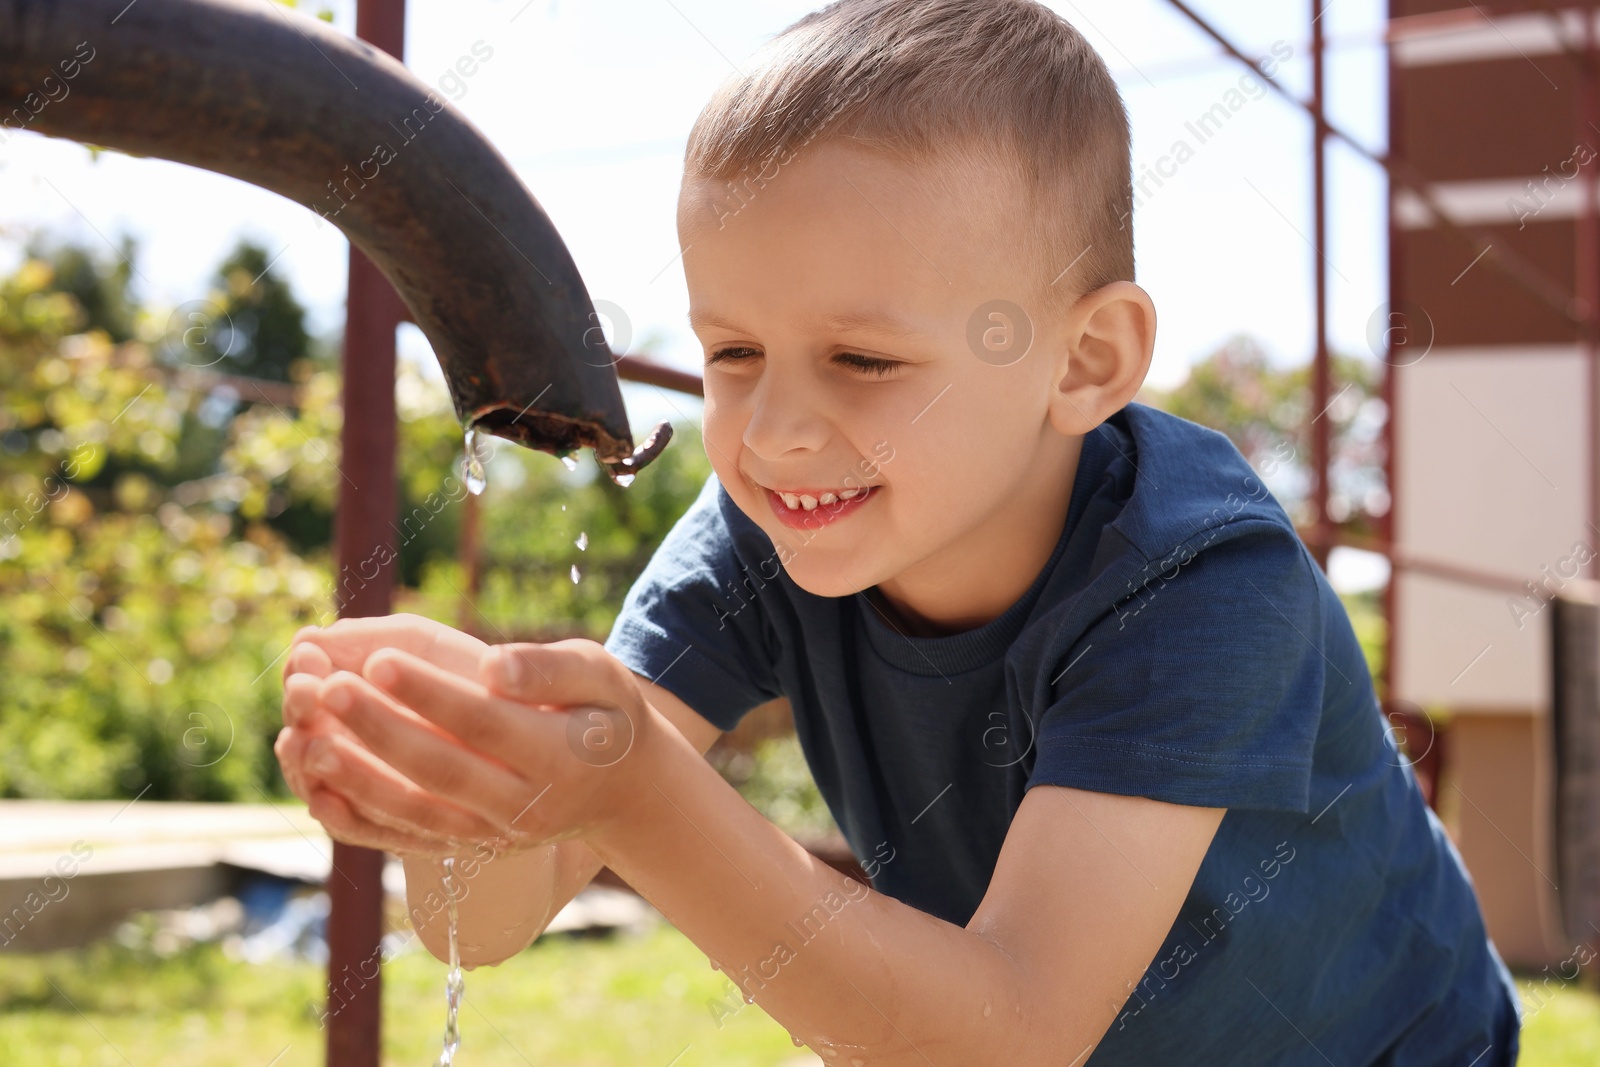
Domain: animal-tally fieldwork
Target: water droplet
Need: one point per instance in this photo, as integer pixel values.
(797, 1042)
(749, 998)
(477, 481)
(575, 574)
(988, 1009)
(715, 966)
(857, 1061)
(563, 507)
(568, 462)
(582, 542)
(624, 480)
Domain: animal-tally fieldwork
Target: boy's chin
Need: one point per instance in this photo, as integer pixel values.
(819, 579)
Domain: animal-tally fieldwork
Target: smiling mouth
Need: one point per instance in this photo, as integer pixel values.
(812, 509)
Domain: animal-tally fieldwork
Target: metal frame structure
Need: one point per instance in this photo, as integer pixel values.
(1581, 310)
(1488, 752)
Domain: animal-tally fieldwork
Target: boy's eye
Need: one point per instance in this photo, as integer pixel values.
(867, 364)
(730, 354)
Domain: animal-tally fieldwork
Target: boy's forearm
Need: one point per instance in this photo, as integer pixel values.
(504, 901)
(835, 962)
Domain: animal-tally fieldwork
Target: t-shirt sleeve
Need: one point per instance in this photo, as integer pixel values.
(691, 624)
(1203, 686)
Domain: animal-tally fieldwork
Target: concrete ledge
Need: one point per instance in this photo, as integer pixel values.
(71, 871)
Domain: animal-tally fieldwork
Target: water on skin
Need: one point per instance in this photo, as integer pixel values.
(831, 1051)
(453, 983)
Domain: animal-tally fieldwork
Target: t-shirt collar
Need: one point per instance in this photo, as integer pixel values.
(955, 653)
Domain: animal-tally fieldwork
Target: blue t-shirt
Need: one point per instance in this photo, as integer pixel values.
(1181, 644)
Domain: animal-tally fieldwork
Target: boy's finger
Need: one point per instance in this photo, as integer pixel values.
(287, 746)
(509, 731)
(344, 823)
(290, 748)
(348, 642)
(307, 658)
(561, 674)
(302, 712)
(383, 796)
(299, 699)
(424, 753)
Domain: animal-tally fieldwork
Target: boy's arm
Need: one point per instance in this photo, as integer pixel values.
(1086, 886)
(512, 898)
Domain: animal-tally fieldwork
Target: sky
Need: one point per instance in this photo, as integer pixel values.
(591, 103)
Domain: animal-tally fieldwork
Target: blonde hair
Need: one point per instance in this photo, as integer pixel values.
(927, 80)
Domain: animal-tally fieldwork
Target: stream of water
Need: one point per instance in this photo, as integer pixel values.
(454, 984)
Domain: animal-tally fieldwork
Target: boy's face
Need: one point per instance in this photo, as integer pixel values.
(942, 428)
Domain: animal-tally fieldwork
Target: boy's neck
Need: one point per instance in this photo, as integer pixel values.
(973, 580)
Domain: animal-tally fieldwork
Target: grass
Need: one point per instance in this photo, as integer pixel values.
(578, 1002)
(1560, 1025)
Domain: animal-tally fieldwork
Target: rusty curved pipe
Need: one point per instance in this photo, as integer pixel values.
(249, 89)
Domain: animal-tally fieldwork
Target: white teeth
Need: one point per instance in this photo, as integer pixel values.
(807, 502)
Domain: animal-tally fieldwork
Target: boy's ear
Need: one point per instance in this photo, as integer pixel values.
(1104, 354)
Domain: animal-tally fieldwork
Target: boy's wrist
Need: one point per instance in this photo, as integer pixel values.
(653, 746)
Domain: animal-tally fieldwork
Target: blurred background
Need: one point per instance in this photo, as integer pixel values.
(1396, 330)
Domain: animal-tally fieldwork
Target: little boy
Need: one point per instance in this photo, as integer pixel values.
(1078, 697)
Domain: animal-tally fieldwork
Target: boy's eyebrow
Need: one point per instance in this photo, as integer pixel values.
(698, 319)
(871, 323)
(862, 322)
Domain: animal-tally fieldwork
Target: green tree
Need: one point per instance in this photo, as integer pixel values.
(1264, 409)
(98, 284)
(261, 329)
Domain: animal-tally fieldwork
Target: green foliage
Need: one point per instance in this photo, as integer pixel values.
(100, 287)
(535, 512)
(260, 327)
(158, 551)
(1265, 411)
(1366, 618)
(777, 782)
(321, 11)
(142, 616)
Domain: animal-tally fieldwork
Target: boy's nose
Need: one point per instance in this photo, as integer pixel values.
(784, 416)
